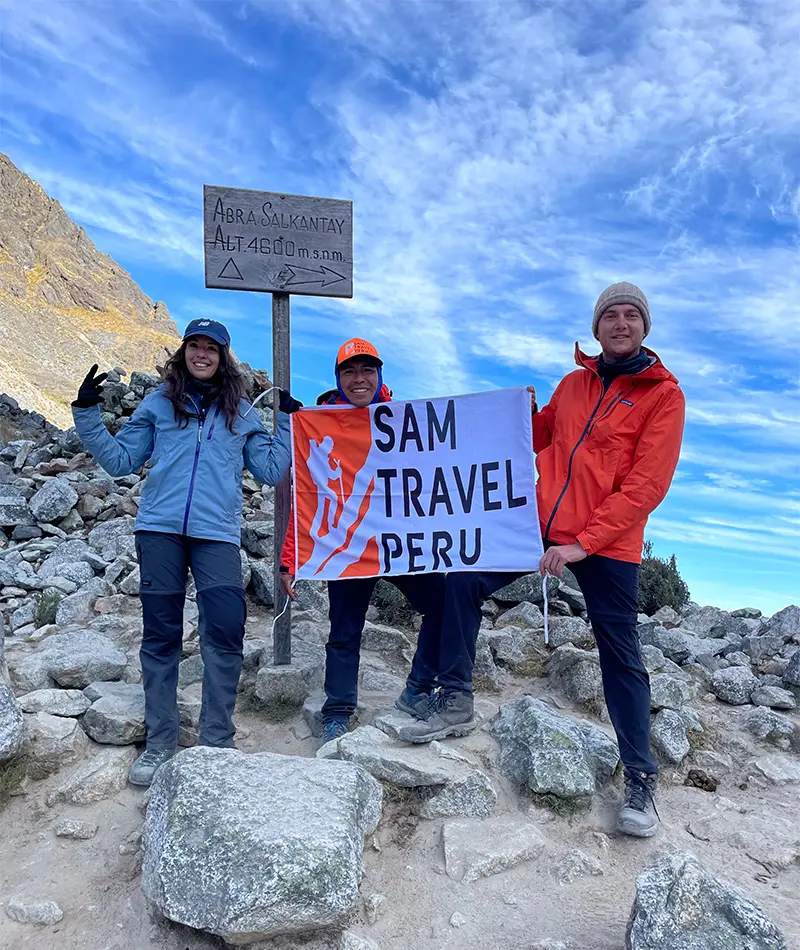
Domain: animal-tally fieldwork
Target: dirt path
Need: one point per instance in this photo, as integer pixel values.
(747, 831)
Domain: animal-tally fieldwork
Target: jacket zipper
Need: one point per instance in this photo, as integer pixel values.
(200, 422)
(610, 407)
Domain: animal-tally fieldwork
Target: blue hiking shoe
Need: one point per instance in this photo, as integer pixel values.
(333, 729)
(414, 703)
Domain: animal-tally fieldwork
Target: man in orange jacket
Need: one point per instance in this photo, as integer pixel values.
(606, 447)
(359, 382)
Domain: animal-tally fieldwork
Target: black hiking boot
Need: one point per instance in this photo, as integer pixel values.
(638, 815)
(414, 703)
(450, 713)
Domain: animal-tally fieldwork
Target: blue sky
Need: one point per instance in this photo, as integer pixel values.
(506, 161)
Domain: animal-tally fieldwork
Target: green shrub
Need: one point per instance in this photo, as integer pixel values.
(394, 609)
(660, 584)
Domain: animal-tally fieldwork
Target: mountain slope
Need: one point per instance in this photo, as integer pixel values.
(64, 305)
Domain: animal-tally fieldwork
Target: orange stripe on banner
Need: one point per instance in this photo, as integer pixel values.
(349, 436)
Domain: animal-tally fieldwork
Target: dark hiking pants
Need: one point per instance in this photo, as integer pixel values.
(164, 560)
(611, 591)
(349, 600)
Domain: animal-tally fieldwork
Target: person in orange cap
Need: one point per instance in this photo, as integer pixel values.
(359, 382)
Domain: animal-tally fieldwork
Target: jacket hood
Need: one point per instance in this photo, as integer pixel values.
(657, 372)
(334, 398)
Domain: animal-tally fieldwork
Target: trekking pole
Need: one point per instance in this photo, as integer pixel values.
(546, 628)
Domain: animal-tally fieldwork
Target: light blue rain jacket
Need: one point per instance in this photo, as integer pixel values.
(195, 484)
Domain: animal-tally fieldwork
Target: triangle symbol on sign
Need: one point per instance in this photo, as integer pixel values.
(230, 271)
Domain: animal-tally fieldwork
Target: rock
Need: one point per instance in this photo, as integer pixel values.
(378, 681)
(523, 615)
(526, 588)
(375, 907)
(293, 829)
(679, 905)
(548, 752)
(667, 692)
(54, 500)
(470, 796)
(117, 719)
(78, 659)
(791, 675)
(476, 849)
(668, 617)
(190, 671)
(733, 685)
(485, 675)
(763, 723)
(785, 623)
(401, 764)
(757, 647)
(12, 724)
(458, 920)
(577, 672)
(52, 742)
(283, 686)
(774, 697)
(75, 829)
(563, 630)
(130, 584)
(350, 941)
(572, 597)
(23, 615)
(56, 702)
(105, 537)
(779, 769)
(41, 913)
(262, 583)
(575, 864)
(703, 620)
(14, 510)
(311, 596)
(103, 776)
(384, 639)
(668, 736)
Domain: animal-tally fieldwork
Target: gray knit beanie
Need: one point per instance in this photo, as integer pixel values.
(622, 292)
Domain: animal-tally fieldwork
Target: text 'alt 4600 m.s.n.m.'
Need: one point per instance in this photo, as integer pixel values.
(266, 241)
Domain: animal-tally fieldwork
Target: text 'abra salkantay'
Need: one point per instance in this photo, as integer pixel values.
(424, 485)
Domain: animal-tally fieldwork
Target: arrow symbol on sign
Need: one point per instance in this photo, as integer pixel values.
(324, 275)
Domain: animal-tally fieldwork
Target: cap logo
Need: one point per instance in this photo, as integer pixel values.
(350, 348)
(203, 323)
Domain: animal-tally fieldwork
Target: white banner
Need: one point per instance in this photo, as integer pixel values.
(425, 485)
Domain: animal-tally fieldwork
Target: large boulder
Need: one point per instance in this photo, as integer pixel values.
(12, 725)
(680, 905)
(578, 674)
(734, 685)
(79, 658)
(703, 621)
(249, 847)
(117, 718)
(791, 675)
(551, 754)
(53, 742)
(104, 775)
(56, 702)
(54, 500)
(785, 623)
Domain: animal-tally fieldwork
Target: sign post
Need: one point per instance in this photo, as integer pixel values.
(280, 244)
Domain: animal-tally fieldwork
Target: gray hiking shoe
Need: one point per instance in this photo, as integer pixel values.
(638, 815)
(146, 766)
(449, 714)
(414, 703)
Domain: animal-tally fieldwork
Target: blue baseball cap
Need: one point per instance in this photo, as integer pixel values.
(215, 331)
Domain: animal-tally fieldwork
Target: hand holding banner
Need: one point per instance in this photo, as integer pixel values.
(425, 485)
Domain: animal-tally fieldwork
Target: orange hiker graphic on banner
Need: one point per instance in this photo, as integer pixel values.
(406, 487)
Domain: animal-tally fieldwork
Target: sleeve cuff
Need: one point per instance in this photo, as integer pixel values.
(283, 569)
(584, 543)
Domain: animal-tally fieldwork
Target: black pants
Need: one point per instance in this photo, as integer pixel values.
(611, 591)
(349, 600)
(164, 560)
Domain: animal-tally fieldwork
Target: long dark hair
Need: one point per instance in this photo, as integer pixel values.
(229, 383)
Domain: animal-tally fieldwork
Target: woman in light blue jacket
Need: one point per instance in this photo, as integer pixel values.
(198, 432)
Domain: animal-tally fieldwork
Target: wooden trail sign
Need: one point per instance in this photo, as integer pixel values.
(266, 241)
(279, 244)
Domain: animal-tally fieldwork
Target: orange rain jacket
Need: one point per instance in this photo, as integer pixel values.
(606, 459)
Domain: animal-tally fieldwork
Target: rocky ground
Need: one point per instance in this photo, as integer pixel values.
(501, 839)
